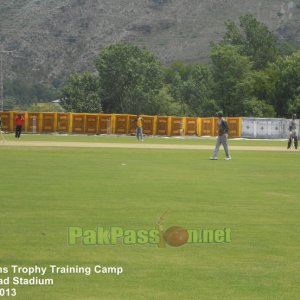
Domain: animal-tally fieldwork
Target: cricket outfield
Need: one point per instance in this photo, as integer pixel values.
(82, 217)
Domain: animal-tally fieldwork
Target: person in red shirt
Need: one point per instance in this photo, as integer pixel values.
(19, 120)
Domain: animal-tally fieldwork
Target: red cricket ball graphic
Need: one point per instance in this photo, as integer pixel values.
(176, 236)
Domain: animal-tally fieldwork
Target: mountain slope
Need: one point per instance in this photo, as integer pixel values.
(52, 38)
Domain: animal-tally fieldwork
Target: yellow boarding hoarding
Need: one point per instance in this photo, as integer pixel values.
(86, 123)
(91, 123)
(62, 122)
(78, 123)
(49, 122)
(177, 126)
(105, 124)
(207, 127)
(7, 122)
(121, 124)
(190, 127)
(163, 125)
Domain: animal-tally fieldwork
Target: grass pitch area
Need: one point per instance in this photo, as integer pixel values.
(176, 140)
(45, 191)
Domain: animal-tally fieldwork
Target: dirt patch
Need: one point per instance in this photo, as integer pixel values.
(134, 146)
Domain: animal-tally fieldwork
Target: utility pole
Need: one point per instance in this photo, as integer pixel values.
(1, 78)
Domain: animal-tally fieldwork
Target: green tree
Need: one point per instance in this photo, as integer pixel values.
(26, 92)
(20, 90)
(45, 107)
(9, 104)
(231, 72)
(177, 69)
(258, 108)
(254, 38)
(130, 79)
(191, 86)
(198, 91)
(176, 77)
(284, 79)
(166, 105)
(285, 48)
(294, 105)
(261, 85)
(81, 93)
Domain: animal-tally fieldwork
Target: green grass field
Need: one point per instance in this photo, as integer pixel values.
(148, 140)
(256, 194)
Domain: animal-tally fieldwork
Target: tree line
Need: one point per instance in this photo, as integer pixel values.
(249, 73)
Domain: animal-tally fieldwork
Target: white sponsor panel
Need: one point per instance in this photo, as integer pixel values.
(266, 128)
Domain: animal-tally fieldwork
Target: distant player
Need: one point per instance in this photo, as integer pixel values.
(293, 132)
(222, 137)
(1, 133)
(19, 120)
(139, 128)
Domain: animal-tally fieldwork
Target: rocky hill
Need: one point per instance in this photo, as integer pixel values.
(52, 38)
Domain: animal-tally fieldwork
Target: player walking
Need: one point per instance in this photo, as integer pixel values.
(222, 137)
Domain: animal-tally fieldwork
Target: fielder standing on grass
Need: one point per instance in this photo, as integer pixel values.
(139, 128)
(19, 120)
(222, 137)
(293, 132)
(3, 139)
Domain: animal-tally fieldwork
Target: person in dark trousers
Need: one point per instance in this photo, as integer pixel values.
(139, 128)
(19, 121)
(1, 133)
(222, 137)
(293, 132)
